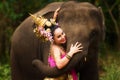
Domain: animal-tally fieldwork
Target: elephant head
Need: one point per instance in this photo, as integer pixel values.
(81, 22)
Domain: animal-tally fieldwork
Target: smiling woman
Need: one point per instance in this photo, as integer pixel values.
(58, 56)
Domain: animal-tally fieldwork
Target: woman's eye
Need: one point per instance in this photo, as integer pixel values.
(63, 33)
(59, 36)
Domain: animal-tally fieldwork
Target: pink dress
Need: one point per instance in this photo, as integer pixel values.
(52, 63)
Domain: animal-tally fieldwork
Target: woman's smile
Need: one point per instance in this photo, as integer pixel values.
(59, 36)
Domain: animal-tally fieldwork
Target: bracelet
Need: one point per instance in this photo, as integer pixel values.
(68, 57)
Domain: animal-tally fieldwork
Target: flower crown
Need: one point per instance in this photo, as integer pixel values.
(40, 31)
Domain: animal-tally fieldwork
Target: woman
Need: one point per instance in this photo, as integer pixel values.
(58, 56)
(50, 30)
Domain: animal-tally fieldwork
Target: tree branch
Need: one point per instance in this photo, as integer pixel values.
(112, 17)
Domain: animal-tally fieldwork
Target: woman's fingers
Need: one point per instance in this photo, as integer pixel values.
(71, 45)
(77, 44)
(80, 48)
(77, 47)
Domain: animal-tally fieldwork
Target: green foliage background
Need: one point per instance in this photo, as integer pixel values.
(13, 12)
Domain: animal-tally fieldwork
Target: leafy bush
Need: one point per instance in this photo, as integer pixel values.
(112, 72)
(5, 72)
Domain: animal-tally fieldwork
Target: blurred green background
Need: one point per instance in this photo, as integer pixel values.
(13, 12)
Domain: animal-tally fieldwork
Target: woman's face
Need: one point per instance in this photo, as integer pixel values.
(59, 36)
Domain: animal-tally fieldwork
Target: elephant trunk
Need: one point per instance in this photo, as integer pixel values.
(55, 72)
(46, 70)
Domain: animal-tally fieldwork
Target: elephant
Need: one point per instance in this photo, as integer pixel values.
(81, 21)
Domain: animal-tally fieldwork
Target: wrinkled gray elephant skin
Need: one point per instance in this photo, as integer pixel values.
(81, 22)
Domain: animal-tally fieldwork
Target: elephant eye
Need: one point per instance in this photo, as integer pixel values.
(93, 34)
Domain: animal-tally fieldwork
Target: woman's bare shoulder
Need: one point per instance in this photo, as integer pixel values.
(54, 47)
(55, 50)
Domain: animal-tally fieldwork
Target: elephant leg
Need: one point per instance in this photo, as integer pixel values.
(90, 71)
(15, 73)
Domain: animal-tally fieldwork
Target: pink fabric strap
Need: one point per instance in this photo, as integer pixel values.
(74, 74)
(52, 63)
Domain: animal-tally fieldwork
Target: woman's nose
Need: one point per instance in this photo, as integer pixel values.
(63, 36)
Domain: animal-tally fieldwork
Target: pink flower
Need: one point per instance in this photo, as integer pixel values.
(46, 35)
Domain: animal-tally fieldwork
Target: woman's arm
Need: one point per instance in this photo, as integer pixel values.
(61, 62)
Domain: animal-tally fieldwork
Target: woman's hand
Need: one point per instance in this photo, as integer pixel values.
(75, 48)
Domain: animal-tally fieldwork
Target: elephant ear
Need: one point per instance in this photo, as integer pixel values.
(103, 23)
